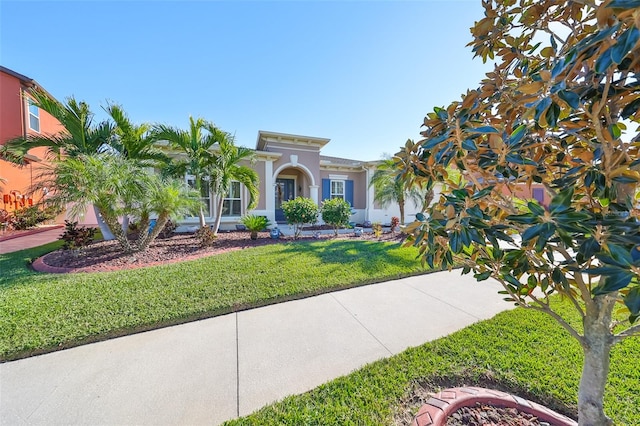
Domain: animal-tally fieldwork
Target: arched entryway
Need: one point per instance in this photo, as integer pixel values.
(291, 181)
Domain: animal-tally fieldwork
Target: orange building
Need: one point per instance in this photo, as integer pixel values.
(19, 118)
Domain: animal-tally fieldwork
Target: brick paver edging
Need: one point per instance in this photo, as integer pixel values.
(447, 402)
(39, 266)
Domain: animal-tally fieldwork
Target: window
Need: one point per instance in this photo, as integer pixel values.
(337, 189)
(34, 117)
(232, 203)
(205, 196)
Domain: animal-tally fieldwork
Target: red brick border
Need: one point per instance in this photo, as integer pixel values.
(447, 402)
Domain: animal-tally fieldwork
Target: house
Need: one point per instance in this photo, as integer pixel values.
(291, 166)
(19, 118)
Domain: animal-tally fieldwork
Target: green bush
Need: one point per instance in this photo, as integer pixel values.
(299, 212)
(29, 217)
(336, 212)
(254, 224)
(75, 237)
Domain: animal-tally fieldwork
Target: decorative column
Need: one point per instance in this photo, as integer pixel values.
(270, 200)
(370, 195)
(313, 193)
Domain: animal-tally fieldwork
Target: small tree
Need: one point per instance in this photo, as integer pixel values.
(298, 212)
(336, 212)
(550, 114)
(389, 189)
(255, 224)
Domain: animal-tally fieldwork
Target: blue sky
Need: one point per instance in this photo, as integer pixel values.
(362, 73)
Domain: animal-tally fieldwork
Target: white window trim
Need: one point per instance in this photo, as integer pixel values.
(344, 189)
(188, 177)
(240, 198)
(29, 114)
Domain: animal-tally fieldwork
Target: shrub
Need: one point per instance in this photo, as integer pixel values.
(395, 221)
(336, 212)
(299, 212)
(254, 224)
(29, 217)
(377, 229)
(205, 236)
(75, 237)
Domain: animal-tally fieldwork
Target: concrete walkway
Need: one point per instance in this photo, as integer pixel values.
(29, 241)
(209, 371)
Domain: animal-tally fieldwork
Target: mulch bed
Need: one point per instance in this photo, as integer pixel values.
(107, 255)
(489, 415)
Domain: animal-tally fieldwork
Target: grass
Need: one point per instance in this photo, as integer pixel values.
(44, 312)
(519, 351)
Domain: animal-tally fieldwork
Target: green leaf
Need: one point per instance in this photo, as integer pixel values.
(484, 130)
(517, 135)
(552, 114)
(625, 43)
(431, 143)
(535, 208)
(604, 61)
(469, 145)
(632, 301)
(571, 98)
(483, 276)
(589, 247)
(615, 131)
(624, 4)
(421, 217)
(615, 282)
(563, 199)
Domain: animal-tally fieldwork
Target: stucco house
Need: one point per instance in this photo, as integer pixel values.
(20, 118)
(290, 166)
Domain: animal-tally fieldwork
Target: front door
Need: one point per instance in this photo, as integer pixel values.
(285, 191)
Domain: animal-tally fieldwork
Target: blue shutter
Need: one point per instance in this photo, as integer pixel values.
(326, 189)
(348, 191)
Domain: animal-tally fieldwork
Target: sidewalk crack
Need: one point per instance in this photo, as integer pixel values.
(361, 324)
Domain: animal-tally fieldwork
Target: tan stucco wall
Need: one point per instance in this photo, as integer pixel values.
(359, 179)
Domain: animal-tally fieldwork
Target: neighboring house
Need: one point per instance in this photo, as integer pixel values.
(291, 166)
(19, 118)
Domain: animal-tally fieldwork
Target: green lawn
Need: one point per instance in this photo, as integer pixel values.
(519, 351)
(41, 312)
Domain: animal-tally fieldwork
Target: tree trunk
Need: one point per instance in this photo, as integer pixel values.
(113, 223)
(216, 223)
(596, 347)
(203, 222)
(162, 220)
(104, 228)
(401, 205)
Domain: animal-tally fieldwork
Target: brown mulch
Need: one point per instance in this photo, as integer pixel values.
(489, 415)
(107, 255)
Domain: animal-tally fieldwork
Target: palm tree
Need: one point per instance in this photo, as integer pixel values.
(134, 141)
(106, 181)
(195, 144)
(79, 137)
(168, 199)
(227, 169)
(388, 188)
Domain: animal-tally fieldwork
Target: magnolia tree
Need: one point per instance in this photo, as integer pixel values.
(560, 111)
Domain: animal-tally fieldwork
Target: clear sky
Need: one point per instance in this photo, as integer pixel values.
(361, 73)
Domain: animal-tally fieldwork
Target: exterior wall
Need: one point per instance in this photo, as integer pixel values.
(13, 124)
(528, 193)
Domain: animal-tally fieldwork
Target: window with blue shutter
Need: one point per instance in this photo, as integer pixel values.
(348, 195)
(326, 189)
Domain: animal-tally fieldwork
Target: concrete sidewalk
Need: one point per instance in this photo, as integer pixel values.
(30, 241)
(209, 371)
